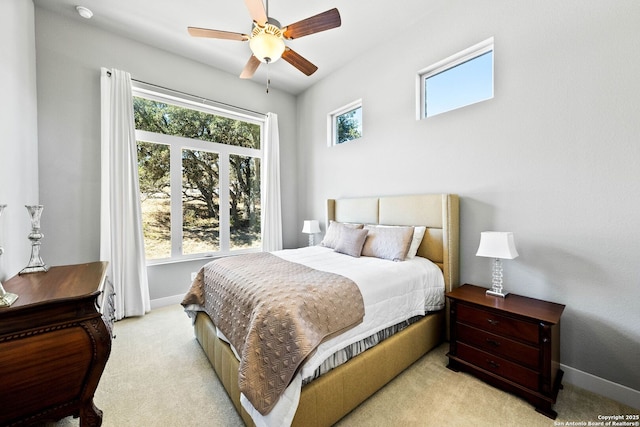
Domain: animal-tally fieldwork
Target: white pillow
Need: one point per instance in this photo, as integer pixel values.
(332, 235)
(418, 234)
(351, 241)
(387, 242)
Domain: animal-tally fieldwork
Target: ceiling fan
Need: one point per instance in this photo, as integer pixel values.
(267, 37)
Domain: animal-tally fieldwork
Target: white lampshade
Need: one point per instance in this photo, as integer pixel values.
(311, 226)
(497, 244)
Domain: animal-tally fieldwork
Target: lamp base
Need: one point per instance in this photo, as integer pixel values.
(496, 293)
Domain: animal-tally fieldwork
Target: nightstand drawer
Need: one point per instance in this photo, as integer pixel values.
(499, 345)
(498, 324)
(499, 366)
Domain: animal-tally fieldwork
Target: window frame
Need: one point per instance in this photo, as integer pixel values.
(332, 122)
(176, 145)
(452, 61)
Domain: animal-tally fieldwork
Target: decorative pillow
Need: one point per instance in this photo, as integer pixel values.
(351, 241)
(418, 234)
(387, 242)
(333, 233)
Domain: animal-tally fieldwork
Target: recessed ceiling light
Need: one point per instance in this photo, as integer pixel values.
(84, 12)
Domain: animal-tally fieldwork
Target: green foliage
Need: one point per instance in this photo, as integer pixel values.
(170, 119)
(200, 180)
(153, 169)
(348, 127)
(244, 190)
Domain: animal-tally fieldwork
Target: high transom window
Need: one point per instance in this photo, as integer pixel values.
(462, 79)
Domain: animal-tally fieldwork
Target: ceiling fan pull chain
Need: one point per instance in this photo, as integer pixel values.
(268, 78)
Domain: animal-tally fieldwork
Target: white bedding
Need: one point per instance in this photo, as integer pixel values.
(413, 287)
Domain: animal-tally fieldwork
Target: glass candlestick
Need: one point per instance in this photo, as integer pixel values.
(6, 298)
(35, 262)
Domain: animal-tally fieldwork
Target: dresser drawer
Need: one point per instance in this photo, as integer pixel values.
(499, 345)
(498, 324)
(490, 362)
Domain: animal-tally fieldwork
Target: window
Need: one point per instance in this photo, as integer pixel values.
(460, 80)
(199, 171)
(345, 124)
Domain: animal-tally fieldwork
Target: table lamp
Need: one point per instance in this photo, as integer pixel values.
(498, 245)
(311, 227)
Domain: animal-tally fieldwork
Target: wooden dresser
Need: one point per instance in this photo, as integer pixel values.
(54, 344)
(512, 343)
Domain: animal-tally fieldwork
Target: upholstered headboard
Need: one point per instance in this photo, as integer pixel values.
(438, 212)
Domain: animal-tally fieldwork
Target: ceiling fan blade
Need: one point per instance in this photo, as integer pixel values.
(250, 68)
(298, 61)
(320, 22)
(257, 12)
(217, 34)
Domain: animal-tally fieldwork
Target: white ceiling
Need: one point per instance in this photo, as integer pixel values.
(163, 24)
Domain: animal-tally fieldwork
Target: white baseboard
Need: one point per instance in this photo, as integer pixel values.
(606, 388)
(163, 302)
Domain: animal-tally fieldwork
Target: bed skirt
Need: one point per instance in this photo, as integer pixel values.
(329, 398)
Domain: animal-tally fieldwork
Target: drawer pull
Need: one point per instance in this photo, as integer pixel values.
(493, 342)
(493, 364)
(493, 322)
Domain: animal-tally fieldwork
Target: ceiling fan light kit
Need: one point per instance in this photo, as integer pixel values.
(266, 40)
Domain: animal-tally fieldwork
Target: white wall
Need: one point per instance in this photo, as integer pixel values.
(19, 132)
(553, 157)
(70, 53)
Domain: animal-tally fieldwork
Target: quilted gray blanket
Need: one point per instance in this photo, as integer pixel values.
(275, 313)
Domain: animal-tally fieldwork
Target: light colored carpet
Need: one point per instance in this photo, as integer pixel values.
(157, 375)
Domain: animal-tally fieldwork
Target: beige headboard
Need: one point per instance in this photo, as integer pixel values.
(438, 212)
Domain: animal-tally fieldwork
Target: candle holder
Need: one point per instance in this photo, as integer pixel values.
(6, 298)
(36, 264)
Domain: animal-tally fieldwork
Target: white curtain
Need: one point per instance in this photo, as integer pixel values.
(271, 205)
(121, 239)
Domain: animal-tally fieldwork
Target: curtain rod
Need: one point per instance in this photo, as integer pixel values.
(195, 96)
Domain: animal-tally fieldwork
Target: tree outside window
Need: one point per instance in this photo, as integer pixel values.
(345, 124)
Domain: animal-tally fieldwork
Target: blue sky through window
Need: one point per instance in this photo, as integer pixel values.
(464, 84)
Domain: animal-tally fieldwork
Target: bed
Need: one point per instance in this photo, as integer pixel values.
(330, 396)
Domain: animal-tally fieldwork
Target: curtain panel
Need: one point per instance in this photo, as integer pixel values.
(272, 206)
(121, 237)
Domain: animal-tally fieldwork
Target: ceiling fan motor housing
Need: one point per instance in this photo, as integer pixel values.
(267, 42)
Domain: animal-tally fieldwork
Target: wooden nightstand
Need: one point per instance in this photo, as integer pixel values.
(54, 344)
(512, 343)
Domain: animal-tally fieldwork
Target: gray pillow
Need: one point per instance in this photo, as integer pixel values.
(351, 241)
(387, 242)
(333, 233)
